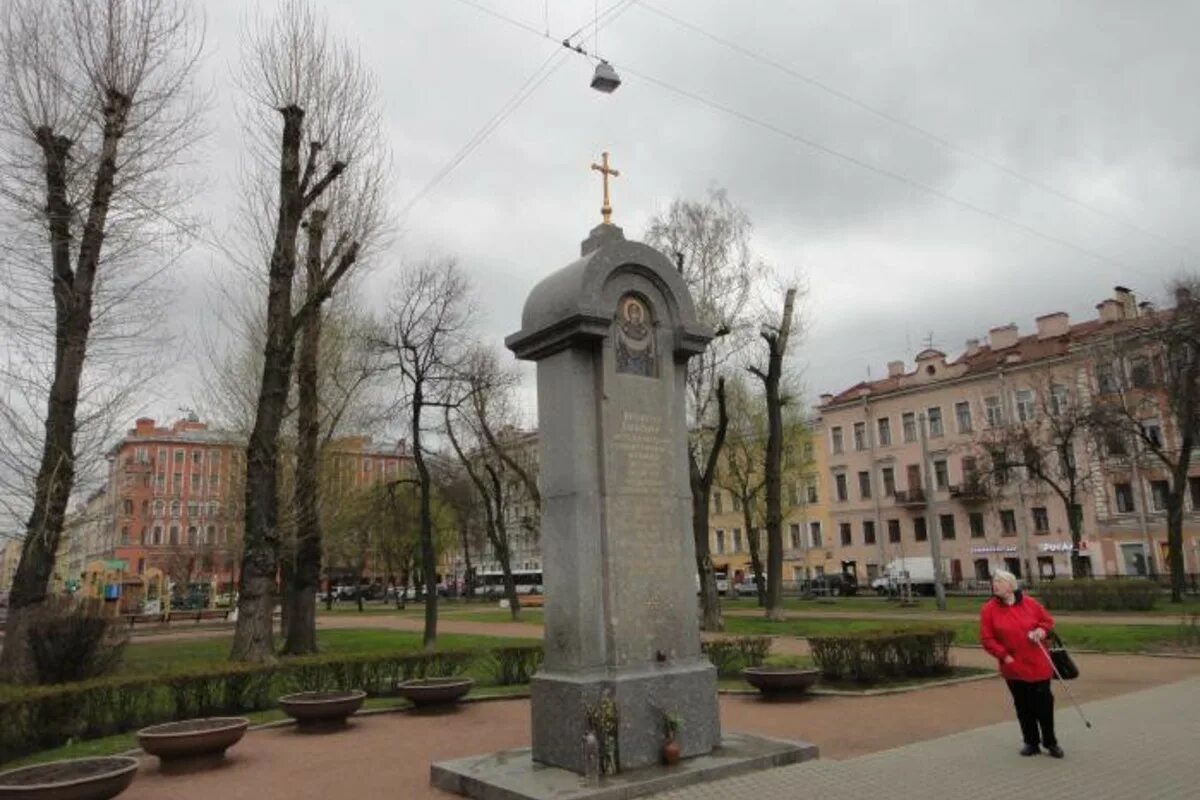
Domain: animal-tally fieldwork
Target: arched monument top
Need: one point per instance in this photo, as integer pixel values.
(573, 304)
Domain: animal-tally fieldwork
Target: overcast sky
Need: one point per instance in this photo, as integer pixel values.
(1091, 100)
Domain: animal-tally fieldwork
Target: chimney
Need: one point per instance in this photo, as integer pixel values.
(972, 347)
(1051, 325)
(1003, 337)
(1125, 297)
(826, 399)
(144, 426)
(895, 369)
(1111, 310)
(1183, 296)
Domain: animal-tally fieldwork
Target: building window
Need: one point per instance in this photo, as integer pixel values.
(814, 534)
(720, 541)
(145, 508)
(1139, 373)
(1060, 399)
(947, 524)
(839, 482)
(127, 507)
(1041, 520)
(1008, 522)
(178, 456)
(970, 471)
(794, 529)
(794, 493)
(1025, 405)
(962, 413)
(920, 531)
(1105, 379)
(844, 528)
(175, 508)
(1194, 491)
(193, 508)
(935, 422)
(177, 484)
(812, 490)
(835, 438)
(214, 458)
(885, 431)
(860, 436)
(197, 458)
(717, 501)
(124, 534)
(975, 520)
(1114, 443)
(893, 531)
(736, 500)
(737, 540)
(157, 535)
(889, 481)
(868, 532)
(1158, 494)
(191, 535)
(174, 540)
(941, 474)
(993, 411)
(1153, 434)
(864, 485)
(908, 421)
(214, 481)
(162, 456)
(158, 508)
(1124, 495)
(983, 571)
(195, 481)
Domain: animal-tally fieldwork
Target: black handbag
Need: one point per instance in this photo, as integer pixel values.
(1064, 665)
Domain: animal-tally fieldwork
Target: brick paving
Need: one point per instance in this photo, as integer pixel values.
(1141, 745)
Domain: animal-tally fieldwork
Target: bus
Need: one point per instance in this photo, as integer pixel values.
(490, 583)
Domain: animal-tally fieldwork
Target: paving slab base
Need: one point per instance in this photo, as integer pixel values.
(514, 775)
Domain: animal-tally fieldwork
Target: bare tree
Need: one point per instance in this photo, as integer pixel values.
(97, 107)
(1151, 376)
(425, 340)
(1044, 438)
(776, 338)
(710, 242)
(297, 73)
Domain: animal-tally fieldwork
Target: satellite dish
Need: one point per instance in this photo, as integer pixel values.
(605, 79)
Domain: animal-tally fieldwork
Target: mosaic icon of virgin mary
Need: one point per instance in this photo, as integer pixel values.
(634, 338)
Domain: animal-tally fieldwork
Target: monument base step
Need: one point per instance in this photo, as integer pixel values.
(513, 775)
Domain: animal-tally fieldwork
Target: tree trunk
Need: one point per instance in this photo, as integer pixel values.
(428, 556)
(702, 483)
(756, 565)
(73, 320)
(468, 587)
(253, 638)
(777, 348)
(500, 543)
(1175, 542)
(301, 636)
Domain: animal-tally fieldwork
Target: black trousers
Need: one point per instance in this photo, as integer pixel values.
(1035, 709)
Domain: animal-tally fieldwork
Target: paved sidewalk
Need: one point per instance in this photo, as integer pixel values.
(1141, 745)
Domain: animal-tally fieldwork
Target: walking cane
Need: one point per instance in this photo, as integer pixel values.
(1046, 653)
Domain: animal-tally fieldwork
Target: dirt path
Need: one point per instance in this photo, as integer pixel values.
(389, 755)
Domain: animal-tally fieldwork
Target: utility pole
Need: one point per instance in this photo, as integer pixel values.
(931, 528)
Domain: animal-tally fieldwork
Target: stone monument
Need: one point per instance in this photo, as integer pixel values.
(611, 334)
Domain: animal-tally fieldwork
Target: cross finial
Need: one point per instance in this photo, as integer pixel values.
(605, 170)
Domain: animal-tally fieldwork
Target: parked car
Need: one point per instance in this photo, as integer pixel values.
(722, 583)
(833, 585)
(748, 588)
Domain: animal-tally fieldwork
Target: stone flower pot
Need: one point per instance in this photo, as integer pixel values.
(776, 681)
(192, 739)
(426, 692)
(322, 710)
(71, 779)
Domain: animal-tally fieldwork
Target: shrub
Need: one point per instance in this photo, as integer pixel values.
(74, 642)
(869, 656)
(1094, 595)
(515, 665)
(37, 718)
(731, 655)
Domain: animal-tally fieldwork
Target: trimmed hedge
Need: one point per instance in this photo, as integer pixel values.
(870, 656)
(512, 666)
(42, 717)
(731, 655)
(1093, 595)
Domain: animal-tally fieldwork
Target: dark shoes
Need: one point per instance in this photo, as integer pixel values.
(1055, 751)
(1031, 750)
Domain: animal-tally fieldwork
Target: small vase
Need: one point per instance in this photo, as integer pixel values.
(670, 752)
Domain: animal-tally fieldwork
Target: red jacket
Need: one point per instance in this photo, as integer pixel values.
(1004, 631)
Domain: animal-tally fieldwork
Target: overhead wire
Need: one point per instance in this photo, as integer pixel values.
(834, 153)
(914, 128)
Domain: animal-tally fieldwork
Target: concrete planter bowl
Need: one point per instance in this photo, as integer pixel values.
(193, 740)
(71, 779)
(781, 681)
(429, 692)
(316, 711)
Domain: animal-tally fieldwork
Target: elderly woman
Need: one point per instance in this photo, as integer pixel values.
(1012, 627)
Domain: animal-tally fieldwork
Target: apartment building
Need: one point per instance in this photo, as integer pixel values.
(906, 456)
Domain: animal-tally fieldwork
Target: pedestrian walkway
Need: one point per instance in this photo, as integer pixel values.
(1141, 745)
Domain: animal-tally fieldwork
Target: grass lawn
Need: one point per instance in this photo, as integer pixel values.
(150, 657)
(1077, 636)
(965, 605)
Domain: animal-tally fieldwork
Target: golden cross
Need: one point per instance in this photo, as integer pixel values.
(605, 170)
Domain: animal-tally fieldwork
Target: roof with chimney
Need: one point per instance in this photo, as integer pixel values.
(1054, 338)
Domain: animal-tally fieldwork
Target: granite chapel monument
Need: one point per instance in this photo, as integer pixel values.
(611, 334)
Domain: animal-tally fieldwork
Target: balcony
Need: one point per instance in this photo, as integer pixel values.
(133, 465)
(970, 492)
(910, 498)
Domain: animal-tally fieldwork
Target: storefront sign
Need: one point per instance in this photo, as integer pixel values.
(1060, 547)
(994, 548)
